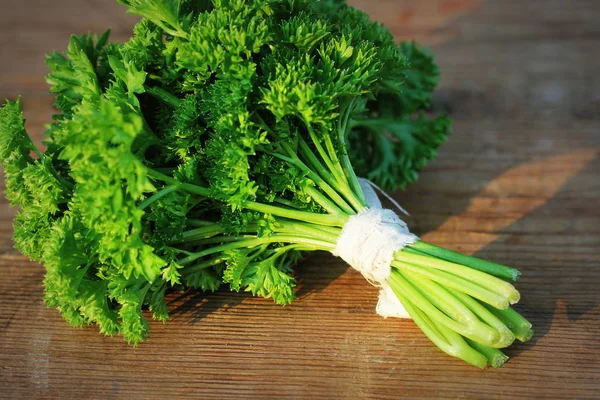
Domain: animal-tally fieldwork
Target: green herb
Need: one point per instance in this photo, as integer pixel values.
(216, 147)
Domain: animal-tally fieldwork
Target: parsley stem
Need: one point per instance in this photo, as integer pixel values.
(498, 270)
(518, 325)
(346, 164)
(506, 337)
(203, 265)
(318, 168)
(294, 160)
(190, 269)
(300, 230)
(162, 95)
(313, 162)
(342, 187)
(354, 184)
(323, 201)
(334, 157)
(194, 189)
(443, 337)
(286, 202)
(495, 357)
(283, 225)
(37, 151)
(203, 232)
(319, 219)
(441, 298)
(249, 243)
(491, 283)
(295, 227)
(340, 178)
(457, 283)
(431, 300)
(220, 239)
(158, 195)
(29, 145)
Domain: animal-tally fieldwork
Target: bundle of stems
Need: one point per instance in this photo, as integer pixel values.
(220, 144)
(461, 303)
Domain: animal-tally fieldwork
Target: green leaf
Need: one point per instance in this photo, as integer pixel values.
(126, 72)
(14, 140)
(163, 13)
(171, 274)
(264, 272)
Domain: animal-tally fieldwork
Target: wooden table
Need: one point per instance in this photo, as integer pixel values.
(518, 182)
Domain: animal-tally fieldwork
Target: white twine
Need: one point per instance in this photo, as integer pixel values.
(373, 199)
(368, 242)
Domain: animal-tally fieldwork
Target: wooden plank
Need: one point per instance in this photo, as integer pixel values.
(517, 183)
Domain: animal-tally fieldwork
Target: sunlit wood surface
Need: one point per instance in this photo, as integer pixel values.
(518, 182)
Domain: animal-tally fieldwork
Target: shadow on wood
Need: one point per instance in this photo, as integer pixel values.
(569, 290)
(313, 274)
(526, 203)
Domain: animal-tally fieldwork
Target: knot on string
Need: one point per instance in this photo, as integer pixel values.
(368, 242)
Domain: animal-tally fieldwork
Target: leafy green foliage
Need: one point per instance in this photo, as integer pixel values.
(399, 147)
(31, 183)
(15, 149)
(81, 72)
(163, 13)
(401, 138)
(210, 148)
(262, 271)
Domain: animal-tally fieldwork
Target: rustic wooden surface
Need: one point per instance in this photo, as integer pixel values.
(518, 182)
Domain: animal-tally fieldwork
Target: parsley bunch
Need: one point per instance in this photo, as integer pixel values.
(221, 143)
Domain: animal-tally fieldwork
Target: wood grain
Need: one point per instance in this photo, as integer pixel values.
(518, 183)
